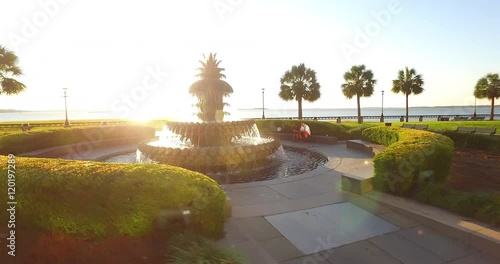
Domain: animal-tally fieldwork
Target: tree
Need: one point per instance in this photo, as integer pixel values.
(9, 70)
(359, 82)
(210, 90)
(488, 87)
(408, 82)
(299, 83)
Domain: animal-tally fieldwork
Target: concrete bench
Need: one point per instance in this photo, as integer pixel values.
(406, 125)
(466, 129)
(421, 127)
(365, 146)
(358, 181)
(485, 130)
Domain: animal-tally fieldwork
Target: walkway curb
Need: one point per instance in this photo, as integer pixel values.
(473, 233)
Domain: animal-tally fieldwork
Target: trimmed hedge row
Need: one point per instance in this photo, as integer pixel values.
(482, 206)
(474, 141)
(412, 157)
(95, 200)
(21, 142)
(319, 128)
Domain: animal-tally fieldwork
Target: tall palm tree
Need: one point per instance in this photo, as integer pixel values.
(358, 82)
(210, 90)
(299, 83)
(9, 70)
(408, 82)
(488, 87)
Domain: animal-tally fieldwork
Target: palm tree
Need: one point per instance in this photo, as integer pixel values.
(488, 87)
(299, 83)
(408, 82)
(210, 90)
(8, 70)
(358, 82)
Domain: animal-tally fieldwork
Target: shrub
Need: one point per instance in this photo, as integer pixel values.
(412, 157)
(190, 248)
(474, 141)
(21, 142)
(93, 199)
(483, 206)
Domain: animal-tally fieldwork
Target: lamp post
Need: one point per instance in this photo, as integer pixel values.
(474, 116)
(263, 117)
(382, 114)
(66, 122)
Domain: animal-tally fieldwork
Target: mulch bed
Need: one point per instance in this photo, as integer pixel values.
(475, 171)
(34, 247)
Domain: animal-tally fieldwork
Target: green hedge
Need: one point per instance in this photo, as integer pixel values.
(411, 157)
(94, 199)
(21, 142)
(320, 128)
(474, 141)
(482, 206)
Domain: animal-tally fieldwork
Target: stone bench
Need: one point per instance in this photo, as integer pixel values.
(365, 146)
(358, 181)
(421, 127)
(485, 130)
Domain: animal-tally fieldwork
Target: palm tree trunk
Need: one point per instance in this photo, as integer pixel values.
(300, 106)
(407, 107)
(359, 111)
(492, 110)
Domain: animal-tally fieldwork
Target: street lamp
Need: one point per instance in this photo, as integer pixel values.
(474, 116)
(263, 117)
(66, 122)
(382, 114)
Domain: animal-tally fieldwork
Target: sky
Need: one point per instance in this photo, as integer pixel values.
(142, 56)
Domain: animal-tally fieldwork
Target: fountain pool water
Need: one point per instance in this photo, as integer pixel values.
(285, 162)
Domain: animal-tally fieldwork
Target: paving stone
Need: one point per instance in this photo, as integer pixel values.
(256, 227)
(307, 187)
(368, 205)
(253, 252)
(398, 220)
(404, 250)
(440, 245)
(255, 195)
(477, 258)
(280, 249)
(317, 229)
(359, 252)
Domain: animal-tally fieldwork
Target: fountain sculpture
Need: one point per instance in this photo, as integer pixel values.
(211, 145)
